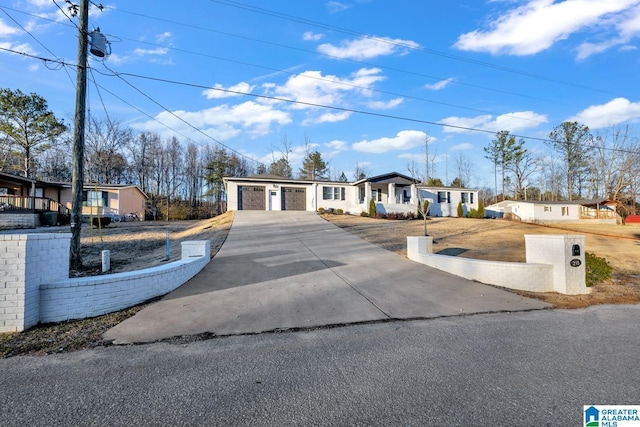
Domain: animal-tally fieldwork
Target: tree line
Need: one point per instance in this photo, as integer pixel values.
(182, 180)
(186, 179)
(583, 165)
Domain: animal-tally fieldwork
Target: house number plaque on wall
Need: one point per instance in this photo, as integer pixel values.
(575, 263)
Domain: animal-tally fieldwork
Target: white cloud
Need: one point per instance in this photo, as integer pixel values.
(160, 38)
(616, 111)
(328, 118)
(312, 87)
(23, 47)
(462, 147)
(511, 121)
(222, 92)
(6, 29)
(439, 85)
(230, 120)
(367, 48)
(151, 52)
(380, 105)
(404, 140)
(338, 145)
(538, 24)
(336, 6)
(311, 36)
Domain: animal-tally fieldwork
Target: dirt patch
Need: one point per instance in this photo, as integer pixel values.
(142, 244)
(501, 240)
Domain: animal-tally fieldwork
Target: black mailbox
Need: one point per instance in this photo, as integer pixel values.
(575, 250)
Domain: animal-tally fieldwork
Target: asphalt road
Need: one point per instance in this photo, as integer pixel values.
(515, 369)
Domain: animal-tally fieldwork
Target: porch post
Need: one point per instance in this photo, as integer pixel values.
(392, 193)
(367, 195)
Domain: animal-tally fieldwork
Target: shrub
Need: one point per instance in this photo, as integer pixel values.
(363, 213)
(597, 269)
(480, 209)
(321, 210)
(372, 208)
(330, 211)
(411, 215)
(103, 221)
(460, 210)
(339, 211)
(381, 215)
(475, 214)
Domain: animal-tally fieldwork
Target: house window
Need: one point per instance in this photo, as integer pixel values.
(442, 197)
(565, 211)
(471, 198)
(327, 192)
(95, 198)
(448, 196)
(333, 193)
(464, 197)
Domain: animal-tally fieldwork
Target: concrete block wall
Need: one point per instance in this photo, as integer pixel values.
(536, 275)
(83, 297)
(19, 220)
(27, 261)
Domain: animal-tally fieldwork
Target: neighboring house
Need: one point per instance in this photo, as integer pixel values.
(392, 192)
(113, 200)
(26, 202)
(602, 211)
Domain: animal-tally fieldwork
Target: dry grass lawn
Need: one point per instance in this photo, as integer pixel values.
(502, 240)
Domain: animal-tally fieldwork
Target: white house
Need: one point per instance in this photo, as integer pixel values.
(392, 192)
(602, 211)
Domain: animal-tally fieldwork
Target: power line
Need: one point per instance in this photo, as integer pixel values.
(404, 45)
(284, 16)
(384, 67)
(292, 101)
(119, 75)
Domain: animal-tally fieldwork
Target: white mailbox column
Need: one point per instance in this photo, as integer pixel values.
(566, 254)
(27, 261)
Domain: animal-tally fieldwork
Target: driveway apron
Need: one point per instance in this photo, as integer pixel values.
(283, 270)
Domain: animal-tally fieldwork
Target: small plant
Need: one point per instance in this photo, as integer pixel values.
(320, 210)
(381, 215)
(339, 211)
(330, 211)
(460, 210)
(411, 215)
(363, 213)
(597, 269)
(372, 208)
(480, 209)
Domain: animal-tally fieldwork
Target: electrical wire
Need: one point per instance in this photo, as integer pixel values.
(291, 101)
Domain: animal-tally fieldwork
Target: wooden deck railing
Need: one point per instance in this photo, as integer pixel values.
(31, 204)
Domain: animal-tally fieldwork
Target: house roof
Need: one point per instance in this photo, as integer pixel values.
(388, 177)
(280, 180)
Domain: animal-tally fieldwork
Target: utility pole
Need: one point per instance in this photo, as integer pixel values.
(426, 149)
(78, 137)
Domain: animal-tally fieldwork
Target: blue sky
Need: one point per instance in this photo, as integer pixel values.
(251, 74)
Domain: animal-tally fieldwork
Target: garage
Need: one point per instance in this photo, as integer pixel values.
(251, 198)
(294, 199)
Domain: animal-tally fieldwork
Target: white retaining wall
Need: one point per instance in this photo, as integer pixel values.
(547, 268)
(35, 285)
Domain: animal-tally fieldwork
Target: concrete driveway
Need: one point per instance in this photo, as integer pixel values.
(282, 270)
